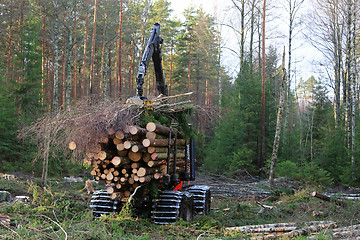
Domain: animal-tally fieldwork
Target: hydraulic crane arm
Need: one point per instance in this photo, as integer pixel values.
(152, 51)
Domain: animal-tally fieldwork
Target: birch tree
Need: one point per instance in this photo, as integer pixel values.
(278, 122)
(294, 6)
(327, 36)
(262, 124)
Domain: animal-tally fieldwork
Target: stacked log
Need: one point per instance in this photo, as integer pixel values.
(127, 158)
(283, 230)
(349, 232)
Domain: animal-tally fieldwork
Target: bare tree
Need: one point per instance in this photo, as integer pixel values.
(327, 36)
(252, 32)
(294, 6)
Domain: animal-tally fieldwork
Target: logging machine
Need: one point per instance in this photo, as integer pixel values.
(171, 197)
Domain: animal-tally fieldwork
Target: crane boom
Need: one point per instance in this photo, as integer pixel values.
(152, 51)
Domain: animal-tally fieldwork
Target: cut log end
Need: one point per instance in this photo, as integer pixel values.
(111, 131)
(72, 145)
(151, 127)
(116, 161)
(120, 135)
(146, 142)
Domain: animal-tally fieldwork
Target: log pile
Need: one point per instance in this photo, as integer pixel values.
(283, 230)
(133, 156)
(347, 232)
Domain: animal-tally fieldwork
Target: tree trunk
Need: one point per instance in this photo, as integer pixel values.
(43, 60)
(107, 76)
(45, 160)
(219, 67)
(354, 90)
(63, 69)
(348, 87)
(253, 3)
(242, 40)
(189, 62)
(120, 47)
(92, 72)
(131, 67)
(262, 144)
(69, 81)
(337, 68)
(278, 124)
(55, 41)
(294, 6)
(83, 82)
(102, 88)
(111, 82)
(74, 83)
(9, 57)
(171, 65)
(20, 77)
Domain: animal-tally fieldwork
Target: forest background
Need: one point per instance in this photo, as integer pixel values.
(54, 53)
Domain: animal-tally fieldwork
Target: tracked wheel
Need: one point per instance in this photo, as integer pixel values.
(101, 203)
(170, 206)
(202, 198)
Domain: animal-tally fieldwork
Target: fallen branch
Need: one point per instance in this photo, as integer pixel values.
(66, 236)
(38, 230)
(3, 224)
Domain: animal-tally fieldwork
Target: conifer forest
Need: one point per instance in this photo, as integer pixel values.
(55, 53)
(264, 93)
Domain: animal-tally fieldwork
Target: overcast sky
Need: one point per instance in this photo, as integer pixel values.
(303, 53)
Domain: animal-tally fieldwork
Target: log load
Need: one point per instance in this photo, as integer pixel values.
(162, 130)
(129, 157)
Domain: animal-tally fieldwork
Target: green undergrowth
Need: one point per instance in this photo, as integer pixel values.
(61, 211)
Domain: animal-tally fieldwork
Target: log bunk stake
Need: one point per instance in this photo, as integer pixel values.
(129, 157)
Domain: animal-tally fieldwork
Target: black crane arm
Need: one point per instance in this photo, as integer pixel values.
(152, 51)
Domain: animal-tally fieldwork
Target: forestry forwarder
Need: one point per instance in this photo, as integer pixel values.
(174, 200)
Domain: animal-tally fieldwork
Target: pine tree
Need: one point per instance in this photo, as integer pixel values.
(9, 150)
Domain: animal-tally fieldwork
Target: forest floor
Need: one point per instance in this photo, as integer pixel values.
(61, 211)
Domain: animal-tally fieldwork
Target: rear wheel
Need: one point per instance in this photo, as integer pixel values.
(202, 198)
(170, 206)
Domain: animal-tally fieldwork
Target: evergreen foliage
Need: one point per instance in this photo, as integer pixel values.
(28, 89)
(9, 148)
(234, 145)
